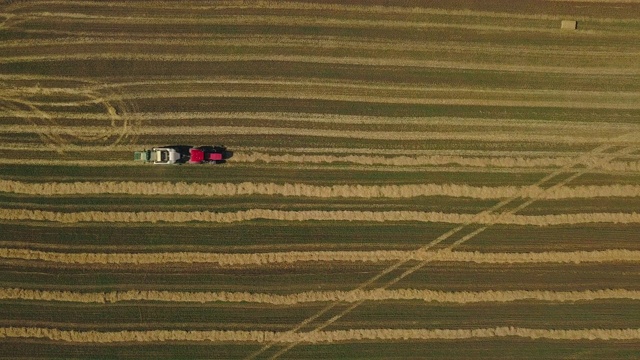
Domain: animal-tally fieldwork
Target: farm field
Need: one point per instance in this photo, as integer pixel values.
(450, 179)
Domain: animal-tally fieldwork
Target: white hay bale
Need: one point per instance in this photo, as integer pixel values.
(569, 25)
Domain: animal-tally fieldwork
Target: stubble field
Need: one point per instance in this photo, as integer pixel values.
(453, 180)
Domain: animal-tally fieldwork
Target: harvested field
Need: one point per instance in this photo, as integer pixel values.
(453, 178)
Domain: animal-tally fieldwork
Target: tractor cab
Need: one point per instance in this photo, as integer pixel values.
(204, 155)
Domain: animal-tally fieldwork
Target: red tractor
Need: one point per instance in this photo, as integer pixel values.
(200, 155)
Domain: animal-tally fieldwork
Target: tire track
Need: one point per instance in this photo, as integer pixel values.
(116, 110)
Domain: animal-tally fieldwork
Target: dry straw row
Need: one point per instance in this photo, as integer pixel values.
(270, 5)
(352, 335)
(316, 215)
(439, 160)
(461, 297)
(305, 190)
(451, 122)
(363, 61)
(347, 8)
(503, 136)
(255, 259)
(516, 164)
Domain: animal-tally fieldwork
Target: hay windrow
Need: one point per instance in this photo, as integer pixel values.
(363, 107)
(305, 190)
(336, 92)
(439, 160)
(378, 164)
(257, 259)
(461, 297)
(342, 134)
(342, 119)
(335, 7)
(315, 215)
(433, 160)
(363, 61)
(370, 168)
(331, 20)
(318, 42)
(352, 335)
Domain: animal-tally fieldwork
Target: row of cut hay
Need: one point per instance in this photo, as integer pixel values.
(461, 297)
(453, 122)
(342, 134)
(439, 160)
(58, 162)
(330, 20)
(316, 215)
(397, 62)
(432, 160)
(305, 190)
(289, 257)
(270, 167)
(279, 86)
(516, 163)
(301, 45)
(290, 337)
(510, 155)
(594, 162)
(333, 7)
(350, 9)
(339, 91)
(465, 158)
(321, 42)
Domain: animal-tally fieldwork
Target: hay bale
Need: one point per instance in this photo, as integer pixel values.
(569, 25)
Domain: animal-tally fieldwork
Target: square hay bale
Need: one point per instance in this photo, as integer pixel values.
(569, 25)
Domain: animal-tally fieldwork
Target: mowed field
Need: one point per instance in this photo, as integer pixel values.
(447, 179)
